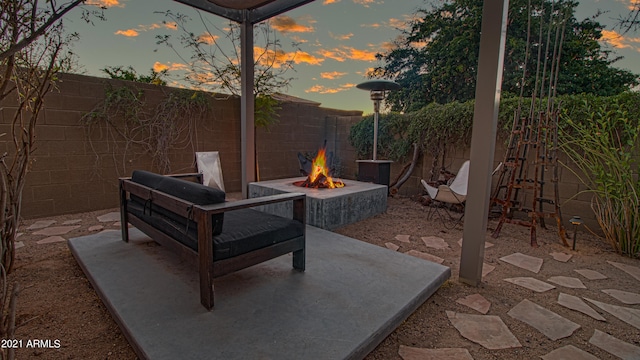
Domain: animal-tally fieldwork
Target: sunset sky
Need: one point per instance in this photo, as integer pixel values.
(338, 40)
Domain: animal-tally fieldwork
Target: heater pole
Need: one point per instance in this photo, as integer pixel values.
(375, 133)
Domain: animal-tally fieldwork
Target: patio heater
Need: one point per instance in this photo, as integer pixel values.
(374, 170)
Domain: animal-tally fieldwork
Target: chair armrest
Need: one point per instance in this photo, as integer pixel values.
(247, 203)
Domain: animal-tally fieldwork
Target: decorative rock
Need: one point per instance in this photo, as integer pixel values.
(56, 230)
(562, 257)
(52, 239)
(631, 270)
(40, 224)
(629, 315)
(18, 245)
(614, 346)
(435, 242)
(626, 297)
(569, 282)
(411, 353)
(568, 352)
(392, 246)
(477, 302)
(109, 217)
(575, 303)
(546, 321)
(523, 261)
(425, 256)
(531, 283)
(486, 330)
(590, 274)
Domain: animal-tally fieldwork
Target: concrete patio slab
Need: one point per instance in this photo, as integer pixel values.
(352, 295)
(591, 274)
(531, 283)
(568, 282)
(546, 321)
(615, 346)
(523, 261)
(477, 302)
(568, 352)
(412, 353)
(575, 303)
(487, 330)
(631, 270)
(626, 297)
(403, 238)
(629, 315)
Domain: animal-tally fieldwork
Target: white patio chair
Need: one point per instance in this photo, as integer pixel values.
(455, 193)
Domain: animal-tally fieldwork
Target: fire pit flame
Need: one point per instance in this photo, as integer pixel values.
(319, 176)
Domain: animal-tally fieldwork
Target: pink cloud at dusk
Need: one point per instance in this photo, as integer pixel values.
(286, 24)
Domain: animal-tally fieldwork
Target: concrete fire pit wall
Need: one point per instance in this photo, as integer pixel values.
(326, 208)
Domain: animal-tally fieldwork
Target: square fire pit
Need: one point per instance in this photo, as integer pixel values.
(326, 208)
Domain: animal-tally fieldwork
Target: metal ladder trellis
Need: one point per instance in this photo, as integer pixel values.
(531, 154)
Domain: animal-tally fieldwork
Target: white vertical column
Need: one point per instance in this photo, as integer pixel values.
(483, 138)
(247, 126)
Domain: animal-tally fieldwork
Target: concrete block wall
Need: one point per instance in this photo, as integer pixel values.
(76, 168)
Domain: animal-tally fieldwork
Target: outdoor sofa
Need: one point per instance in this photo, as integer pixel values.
(219, 237)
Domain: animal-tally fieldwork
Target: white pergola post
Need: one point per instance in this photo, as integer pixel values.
(247, 127)
(483, 138)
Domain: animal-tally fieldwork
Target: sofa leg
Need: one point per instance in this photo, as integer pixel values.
(299, 259)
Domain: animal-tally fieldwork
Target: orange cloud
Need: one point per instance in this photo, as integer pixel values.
(616, 40)
(127, 33)
(170, 25)
(374, 25)
(286, 24)
(341, 37)
(327, 90)
(327, 2)
(365, 3)
(105, 3)
(332, 75)
(207, 38)
(160, 67)
(279, 57)
(331, 55)
(356, 54)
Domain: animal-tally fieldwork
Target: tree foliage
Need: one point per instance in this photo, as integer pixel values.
(130, 74)
(436, 60)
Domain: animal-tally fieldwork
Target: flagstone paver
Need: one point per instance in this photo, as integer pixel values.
(40, 224)
(590, 274)
(109, 217)
(425, 256)
(412, 353)
(18, 245)
(569, 282)
(52, 239)
(477, 302)
(631, 270)
(568, 352)
(560, 256)
(487, 268)
(629, 315)
(392, 246)
(546, 321)
(575, 303)
(523, 261)
(487, 244)
(531, 283)
(615, 346)
(487, 330)
(56, 230)
(435, 242)
(626, 297)
(96, 228)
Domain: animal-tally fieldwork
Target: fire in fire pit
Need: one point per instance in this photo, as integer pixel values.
(319, 177)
